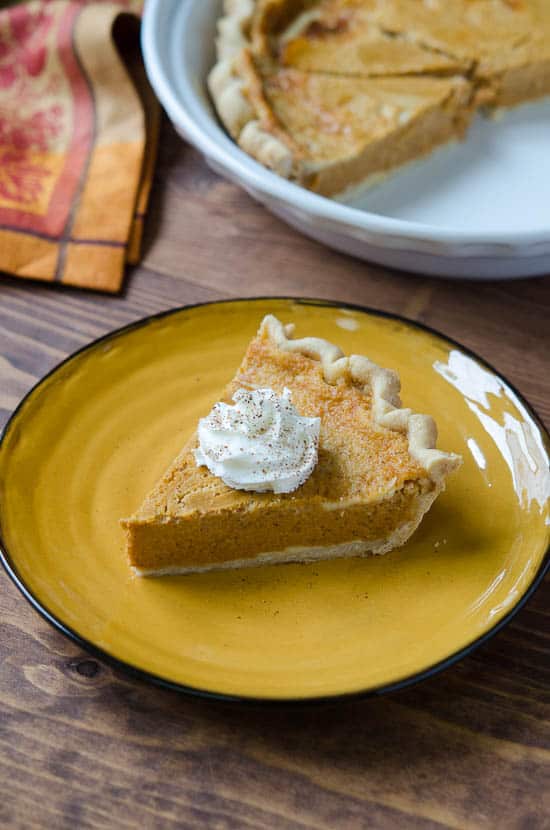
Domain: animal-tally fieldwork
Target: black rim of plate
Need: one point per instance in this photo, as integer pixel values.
(166, 683)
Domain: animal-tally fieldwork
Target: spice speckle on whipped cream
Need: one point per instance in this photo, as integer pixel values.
(261, 443)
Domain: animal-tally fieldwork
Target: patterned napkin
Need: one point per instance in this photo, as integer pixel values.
(78, 135)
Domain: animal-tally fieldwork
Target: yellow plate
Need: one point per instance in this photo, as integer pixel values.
(91, 439)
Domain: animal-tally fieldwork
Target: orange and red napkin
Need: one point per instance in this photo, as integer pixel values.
(78, 135)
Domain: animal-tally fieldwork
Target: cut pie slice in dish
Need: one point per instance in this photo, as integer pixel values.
(331, 132)
(377, 474)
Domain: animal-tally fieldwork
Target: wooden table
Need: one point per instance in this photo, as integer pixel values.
(83, 746)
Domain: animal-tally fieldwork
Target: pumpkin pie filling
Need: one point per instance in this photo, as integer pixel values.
(377, 473)
(341, 130)
(345, 38)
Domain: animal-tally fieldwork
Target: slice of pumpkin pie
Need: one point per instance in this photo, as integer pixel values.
(331, 132)
(308, 456)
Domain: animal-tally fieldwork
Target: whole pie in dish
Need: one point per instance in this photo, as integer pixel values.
(378, 471)
(337, 93)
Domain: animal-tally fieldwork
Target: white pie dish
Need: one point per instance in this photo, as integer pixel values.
(477, 210)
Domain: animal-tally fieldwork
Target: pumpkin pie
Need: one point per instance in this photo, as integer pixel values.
(337, 93)
(377, 473)
(329, 132)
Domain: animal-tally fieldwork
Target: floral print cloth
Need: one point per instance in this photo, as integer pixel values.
(78, 131)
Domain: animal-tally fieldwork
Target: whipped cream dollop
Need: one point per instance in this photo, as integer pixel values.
(261, 443)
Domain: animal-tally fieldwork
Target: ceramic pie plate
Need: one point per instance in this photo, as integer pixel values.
(477, 209)
(91, 439)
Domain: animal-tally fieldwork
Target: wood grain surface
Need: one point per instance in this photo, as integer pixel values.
(83, 746)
